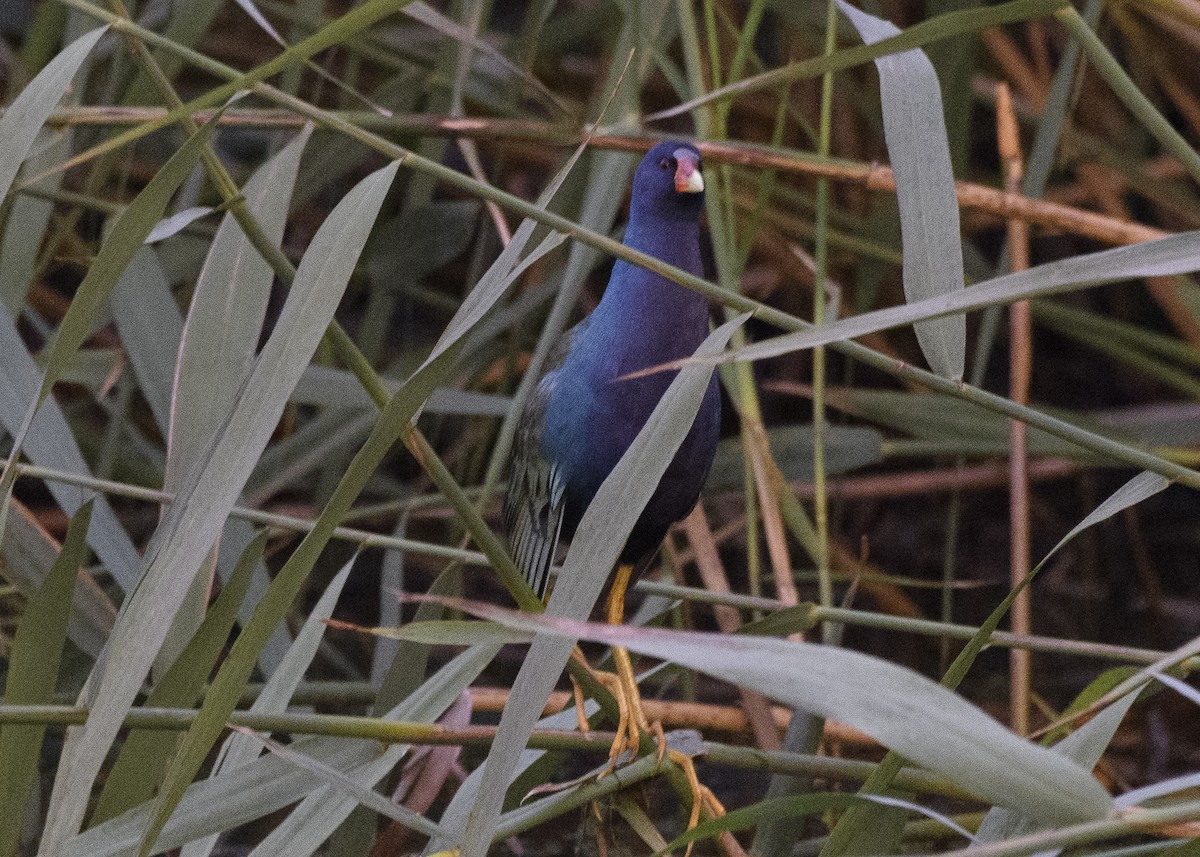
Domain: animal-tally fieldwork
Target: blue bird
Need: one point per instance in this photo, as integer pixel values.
(584, 414)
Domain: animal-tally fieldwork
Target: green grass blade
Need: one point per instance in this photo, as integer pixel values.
(25, 225)
(1084, 746)
(51, 443)
(33, 675)
(915, 130)
(138, 770)
(858, 821)
(126, 238)
(23, 119)
(320, 281)
(225, 320)
(29, 555)
(239, 749)
(150, 326)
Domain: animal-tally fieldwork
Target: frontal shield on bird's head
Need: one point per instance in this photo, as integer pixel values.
(688, 178)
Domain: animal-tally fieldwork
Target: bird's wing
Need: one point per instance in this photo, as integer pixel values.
(534, 502)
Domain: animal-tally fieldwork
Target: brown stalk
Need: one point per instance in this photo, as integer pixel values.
(764, 468)
(1012, 62)
(712, 573)
(1020, 367)
(875, 177)
(706, 717)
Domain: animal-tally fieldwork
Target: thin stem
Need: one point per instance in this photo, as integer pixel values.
(820, 495)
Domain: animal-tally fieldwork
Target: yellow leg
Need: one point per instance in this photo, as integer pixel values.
(626, 691)
(633, 722)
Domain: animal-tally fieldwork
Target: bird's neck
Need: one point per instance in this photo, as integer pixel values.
(672, 319)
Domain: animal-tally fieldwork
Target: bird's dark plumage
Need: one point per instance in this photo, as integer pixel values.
(580, 420)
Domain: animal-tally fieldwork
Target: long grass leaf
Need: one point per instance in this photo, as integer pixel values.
(25, 225)
(142, 762)
(125, 239)
(1175, 254)
(150, 326)
(30, 553)
(1084, 746)
(51, 443)
(915, 129)
(919, 718)
(33, 675)
(213, 806)
(241, 749)
(269, 783)
(23, 119)
(226, 315)
(860, 824)
(316, 291)
(123, 242)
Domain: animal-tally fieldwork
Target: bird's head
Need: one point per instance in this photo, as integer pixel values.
(668, 183)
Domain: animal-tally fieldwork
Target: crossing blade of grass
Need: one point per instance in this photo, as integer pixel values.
(235, 536)
(454, 818)
(33, 675)
(269, 783)
(320, 812)
(1084, 746)
(316, 291)
(194, 520)
(241, 749)
(24, 118)
(125, 239)
(903, 710)
(51, 443)
(602, 533)
(226, 315)
(144, 756)
(915, 130)
(1175, 254)
(218, 343)
(338, 786)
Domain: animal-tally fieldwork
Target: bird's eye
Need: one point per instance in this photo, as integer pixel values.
(664, 164)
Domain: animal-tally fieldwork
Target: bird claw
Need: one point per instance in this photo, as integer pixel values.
(632, 722)
(631, 718)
